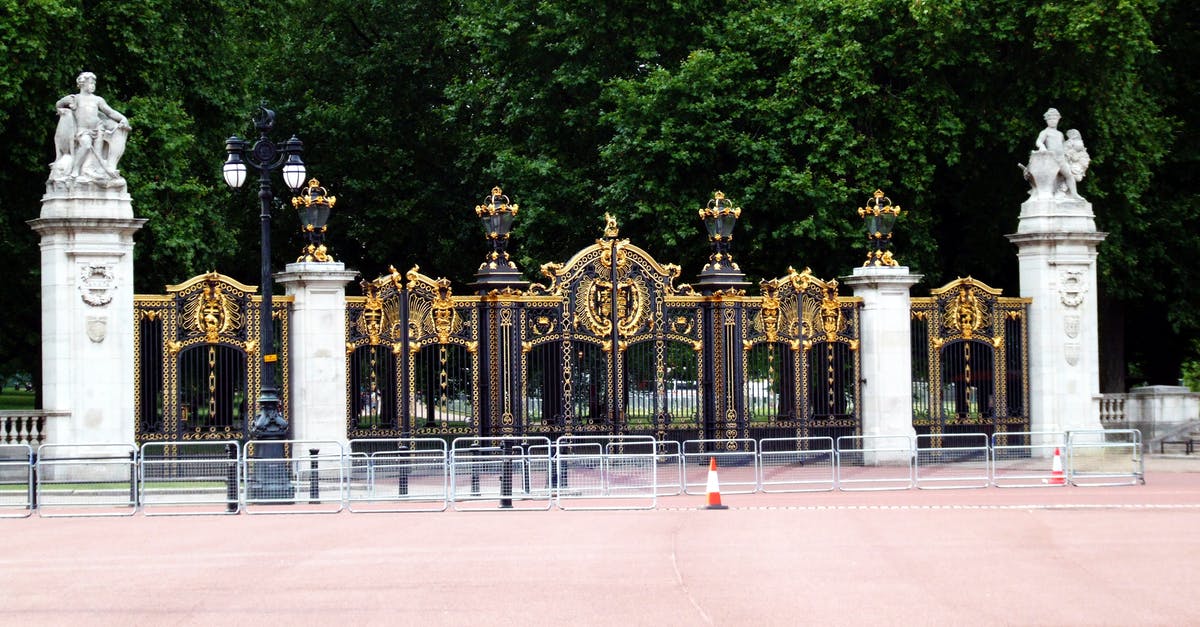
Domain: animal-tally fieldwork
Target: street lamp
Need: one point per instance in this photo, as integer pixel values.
(265, 156)
(720, 216)
(314, 207)
(880, 216)
(497, 271)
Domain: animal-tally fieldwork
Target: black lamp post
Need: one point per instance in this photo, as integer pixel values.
(880, 216)
(721, 272)
(314, 207)
(497, 271)
(265, 156)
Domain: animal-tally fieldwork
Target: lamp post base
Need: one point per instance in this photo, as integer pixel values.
(270, 477)
(721, 280)
(488, 279)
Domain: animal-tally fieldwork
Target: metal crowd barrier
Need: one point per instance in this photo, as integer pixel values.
(180, 478)
(737, 460)
(397, 475)
(606, 472)
(86, 480)
(1107, 457)
(796, 465)
(531, 473)
(875, 462)
(500, 473)
(16, 481)
(309, 480)
(1026, 459)
(955, 460)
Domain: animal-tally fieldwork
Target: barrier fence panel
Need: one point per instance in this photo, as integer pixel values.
(533, 483)
(86, 480)
(668, 473)
(737, 465)
(1026, 459)
(606, 472)
(397, 475)
(1107, 457)
(16, 480)
(958, 460)
(179, 478)
(874, 462)
(501, 472)
(308, 476)
(796, 464)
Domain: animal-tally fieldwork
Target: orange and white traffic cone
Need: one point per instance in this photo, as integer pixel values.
(713, 488)
(1056, 470)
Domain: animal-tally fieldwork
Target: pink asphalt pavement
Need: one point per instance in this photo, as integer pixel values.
(1038, 556)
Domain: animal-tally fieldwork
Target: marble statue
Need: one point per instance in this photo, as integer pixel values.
(89, 140)
(1058, 163)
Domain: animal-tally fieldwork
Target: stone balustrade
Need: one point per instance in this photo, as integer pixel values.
(1155, 409)
(1112, 410)
(26, 426)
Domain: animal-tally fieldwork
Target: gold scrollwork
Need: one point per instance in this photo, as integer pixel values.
(211, 312)
(965, 314)
(632, 302)
(682, 325)
(437, 316)
(542, 325)
(767, 321)
(370, 322)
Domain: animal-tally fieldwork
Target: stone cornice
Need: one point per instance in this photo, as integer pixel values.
(316, 272)
(1083, 237)
(879, 276)
(51, 226)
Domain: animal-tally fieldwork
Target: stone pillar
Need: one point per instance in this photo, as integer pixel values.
(87, 313)
(318, 349)
(886, 339)
(1056, 243)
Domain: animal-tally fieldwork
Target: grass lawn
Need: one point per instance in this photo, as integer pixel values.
(10, 399)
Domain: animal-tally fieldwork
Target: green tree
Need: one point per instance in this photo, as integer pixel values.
(177, 70)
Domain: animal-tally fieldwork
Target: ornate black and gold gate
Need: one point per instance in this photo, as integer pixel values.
(970, 360)
(607, 345)
(413, 359)
(802, 359)
(196, 372)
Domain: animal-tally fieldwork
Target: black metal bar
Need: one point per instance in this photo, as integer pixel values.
(403, 477)
(506, 476)
(525, 474)
(475, 470)
(614, 356)
(133, 495)
(314, 477)
(231, 482)
(33, 480)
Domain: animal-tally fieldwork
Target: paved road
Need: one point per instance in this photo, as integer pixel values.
(1061, 556)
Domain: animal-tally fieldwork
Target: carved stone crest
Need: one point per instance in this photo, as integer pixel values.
(1071, 287)
(1071, 325)
(96, 327)
(96, 282)
(1071, 352)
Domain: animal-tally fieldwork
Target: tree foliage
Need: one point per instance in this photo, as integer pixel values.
(797, 110)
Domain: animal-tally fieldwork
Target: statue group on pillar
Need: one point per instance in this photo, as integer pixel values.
(89, 140)
(1059, 162)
